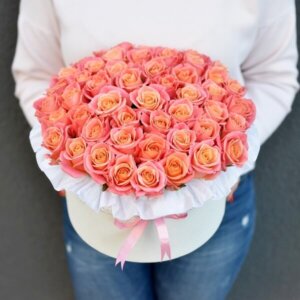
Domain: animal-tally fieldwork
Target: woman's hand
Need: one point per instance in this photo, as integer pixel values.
(233, 189)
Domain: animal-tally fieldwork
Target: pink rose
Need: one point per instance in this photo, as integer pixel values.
(149, 179)
(206, 159)
(181, 138)
(115, 67)
(57, 86)
(234, 88)
(152, 147)
(181, 110)
(170, 56)
(125, 139)
(58, 116)
(151, 97)
(235, 148)
(244, 107)
(79, 114)
(53, 140)
(185, 73)
(46, 105)
(96, 130)
(154, 67)
(235, 122)
(71, 159)
(71, 96)
(114, 53)
(217, 72)
(169, 82)
(120, 175)
(197, 60)
(216, 110)
(130, 79)
(139, 55)
(206, 129)
(91, 64)
(98, 158)
(156, 122)
(214, 91)
(109, 100)
(67, 72)
(93, 86)
(193, 92)
(177, 166)
(125, 116)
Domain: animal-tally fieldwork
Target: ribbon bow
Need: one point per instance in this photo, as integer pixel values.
(138, 226)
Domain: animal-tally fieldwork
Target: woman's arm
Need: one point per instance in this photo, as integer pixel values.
(38, 54)
(270, 70)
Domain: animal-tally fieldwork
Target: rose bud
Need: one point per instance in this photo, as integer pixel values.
(192, 92)
(206, 129)
(98, 158)
(125, 116)
(152, 147)
(120, 175)
(115, 67)
(214, 91)
(71, 96)
(181, 138)
(235, 122)
(235, 148)
(197, 60)
(206, 159)
(156, 121)
(148, 179)
(130, 79)
(124, 140)
(150, 98)
(177, 166)
(217, 72)
(109, 100)
(216, 110)
(244, 107)
(185, 73)
(96, 130)
(53, 140)
(140, 55)
(181, 110)
(234, 88)
(93, 86)
(72, 157)
(154, 67)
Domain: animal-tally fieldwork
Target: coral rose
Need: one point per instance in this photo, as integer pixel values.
(151, 97)
(235, 148)
(177, 166)
(120, 175)
(98, 158)
(125, 139)
(181, 138)
(72, 157)
(206, 159)
(149, 179)
(152, 147)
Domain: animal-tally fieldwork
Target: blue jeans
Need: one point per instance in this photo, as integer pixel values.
(206, 273)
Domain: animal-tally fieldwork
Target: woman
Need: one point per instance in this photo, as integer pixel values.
(256, 39)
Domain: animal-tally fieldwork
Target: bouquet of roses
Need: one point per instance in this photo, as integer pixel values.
(143, 122)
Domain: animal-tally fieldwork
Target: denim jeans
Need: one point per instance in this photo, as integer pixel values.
(206, 273)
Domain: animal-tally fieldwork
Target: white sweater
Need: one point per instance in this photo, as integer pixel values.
(256, 39)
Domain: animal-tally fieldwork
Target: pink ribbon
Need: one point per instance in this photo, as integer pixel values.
(138, 226)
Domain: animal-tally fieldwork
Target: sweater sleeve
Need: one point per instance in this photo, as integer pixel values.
(38, 54)
(270, 70)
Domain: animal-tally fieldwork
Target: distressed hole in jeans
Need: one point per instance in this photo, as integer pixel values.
(68, 247)
(245, 220)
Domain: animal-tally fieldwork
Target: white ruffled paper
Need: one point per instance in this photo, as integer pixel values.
(193, 195)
